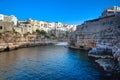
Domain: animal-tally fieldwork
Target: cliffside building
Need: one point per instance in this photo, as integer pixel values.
(86, 33)
(10, 18)
(7, 23)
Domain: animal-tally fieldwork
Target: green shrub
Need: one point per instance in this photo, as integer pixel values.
(42, 32)
(47, 36)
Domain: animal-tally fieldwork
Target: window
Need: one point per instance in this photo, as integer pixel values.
(0, 27)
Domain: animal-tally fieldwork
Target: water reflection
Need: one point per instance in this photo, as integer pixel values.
(47, 63)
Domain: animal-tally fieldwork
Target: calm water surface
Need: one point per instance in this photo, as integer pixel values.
(47, 63)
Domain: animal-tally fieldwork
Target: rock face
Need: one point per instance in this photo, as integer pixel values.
(105, 63)
(108, 65)
(107, 42)
(2, 48)
(105, 57)
(103, 36)
(100, 51)
(13, 40)
(81, 41)
(102, 30)
(117, 54)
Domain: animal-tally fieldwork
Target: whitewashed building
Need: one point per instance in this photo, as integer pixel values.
(10, 18)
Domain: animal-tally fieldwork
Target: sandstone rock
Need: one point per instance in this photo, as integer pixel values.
(2, 48)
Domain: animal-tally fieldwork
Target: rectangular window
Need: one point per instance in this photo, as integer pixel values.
(0, 27)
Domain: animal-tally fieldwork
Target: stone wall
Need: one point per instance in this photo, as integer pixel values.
(92, 31)
(6, 26)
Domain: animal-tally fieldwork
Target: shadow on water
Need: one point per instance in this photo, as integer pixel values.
(105, 75)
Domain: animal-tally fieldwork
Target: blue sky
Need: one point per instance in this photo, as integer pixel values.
(65, 11)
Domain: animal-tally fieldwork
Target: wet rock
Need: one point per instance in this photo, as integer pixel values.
(100, 51)
(105, 63)
(108, 60)
(109, 65)
(101, 56)
(117, 55)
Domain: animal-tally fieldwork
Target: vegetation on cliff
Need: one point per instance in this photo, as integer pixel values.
(43, 33)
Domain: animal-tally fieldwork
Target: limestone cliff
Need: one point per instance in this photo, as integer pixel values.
(11, 40)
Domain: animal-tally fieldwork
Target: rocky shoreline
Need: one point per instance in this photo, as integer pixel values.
(107, 57)
(104, 56)
(12, 46)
